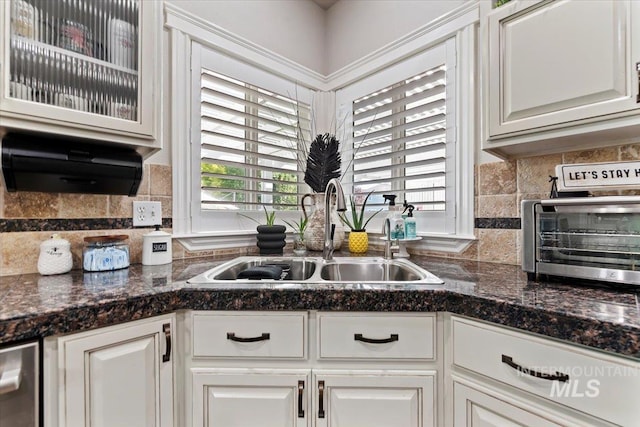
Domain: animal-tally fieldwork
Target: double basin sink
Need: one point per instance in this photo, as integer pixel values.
(317, 270)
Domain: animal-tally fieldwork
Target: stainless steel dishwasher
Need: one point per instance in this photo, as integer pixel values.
(20, 385)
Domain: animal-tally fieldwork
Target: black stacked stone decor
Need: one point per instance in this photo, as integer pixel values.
(271, 239)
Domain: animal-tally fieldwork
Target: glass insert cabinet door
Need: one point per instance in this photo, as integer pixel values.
(81, 55)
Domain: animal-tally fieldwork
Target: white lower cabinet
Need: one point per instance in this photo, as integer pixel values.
(280, 370)
(287, 398)
(475, 408)
(250, 397)
(374, 399)
(503, 377)
(120, 376)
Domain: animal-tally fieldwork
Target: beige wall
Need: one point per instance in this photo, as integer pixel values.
(19, 251)
(291, 28)
(499, 188)
(356, 28)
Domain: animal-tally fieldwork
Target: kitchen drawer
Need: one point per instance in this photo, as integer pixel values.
(254, 334)
(604, 386)
(364, 336)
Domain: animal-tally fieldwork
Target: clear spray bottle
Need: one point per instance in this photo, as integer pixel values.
(395, 217)
(410, 231)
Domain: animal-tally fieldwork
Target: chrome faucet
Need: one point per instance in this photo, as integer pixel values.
(386, 230)
(341, 206)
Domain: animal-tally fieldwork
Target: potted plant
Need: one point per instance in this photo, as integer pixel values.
(299, 247)
(271, 237)
(358, 238)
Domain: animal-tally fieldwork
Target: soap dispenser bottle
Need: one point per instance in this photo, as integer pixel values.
(410, 231)
(395, 218)
(391, 198)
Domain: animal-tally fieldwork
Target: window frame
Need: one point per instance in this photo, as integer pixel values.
(428, 222)
(182, 29)
(205, 58)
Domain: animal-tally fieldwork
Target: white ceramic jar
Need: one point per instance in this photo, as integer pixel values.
(156, 248)
(55, 256)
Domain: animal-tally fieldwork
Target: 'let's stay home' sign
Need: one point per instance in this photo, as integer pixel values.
(599, 176)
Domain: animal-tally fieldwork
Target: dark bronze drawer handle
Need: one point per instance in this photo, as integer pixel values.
(558, 376)
(166, 328)
(392, 338)
(320, 399)
(300, 394)
(638, 74)
(232, 336)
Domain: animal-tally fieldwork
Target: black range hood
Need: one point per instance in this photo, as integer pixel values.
(46, 164)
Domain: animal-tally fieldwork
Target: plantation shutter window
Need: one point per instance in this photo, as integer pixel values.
(401, 126)
(249, 137)
(400, 140)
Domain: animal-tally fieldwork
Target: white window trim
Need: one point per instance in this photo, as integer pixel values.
(184, 28)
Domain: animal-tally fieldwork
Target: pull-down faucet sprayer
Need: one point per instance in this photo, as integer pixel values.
(341, 206)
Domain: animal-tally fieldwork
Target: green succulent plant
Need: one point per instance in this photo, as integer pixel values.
(270, 217)
(298, 226)
(357, 221)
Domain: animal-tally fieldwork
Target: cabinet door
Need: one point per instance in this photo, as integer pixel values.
(551, 63)
(88, 69)
(120, 377)
(243, 397)
(374, 399)
(472, 408)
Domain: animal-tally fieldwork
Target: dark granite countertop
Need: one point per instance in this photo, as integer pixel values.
(602, 317)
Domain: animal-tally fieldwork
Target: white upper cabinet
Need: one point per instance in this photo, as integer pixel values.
(557, 69)
(82, 68)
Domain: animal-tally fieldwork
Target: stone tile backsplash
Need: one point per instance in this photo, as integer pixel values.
(19, 250)
(499, 188)
(503, 185)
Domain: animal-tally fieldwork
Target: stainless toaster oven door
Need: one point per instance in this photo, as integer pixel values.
(602, 240)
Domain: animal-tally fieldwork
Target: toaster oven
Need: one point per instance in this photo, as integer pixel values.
(596, 238)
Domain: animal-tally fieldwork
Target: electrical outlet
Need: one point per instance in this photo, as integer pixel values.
(147, 213)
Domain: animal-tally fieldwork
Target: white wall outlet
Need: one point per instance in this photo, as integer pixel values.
(147, 213)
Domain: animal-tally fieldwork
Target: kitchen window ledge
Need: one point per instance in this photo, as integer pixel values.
(242, 238)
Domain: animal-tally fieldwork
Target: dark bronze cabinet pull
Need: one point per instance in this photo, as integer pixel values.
(300, 394)
(232, 336)
(166, 328)
(320, 399)
(638, 74)
(392, 338)
(558, 376)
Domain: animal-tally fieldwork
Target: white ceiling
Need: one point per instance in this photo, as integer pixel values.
(325, 4)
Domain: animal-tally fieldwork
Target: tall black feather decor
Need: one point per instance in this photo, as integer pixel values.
(323, 162)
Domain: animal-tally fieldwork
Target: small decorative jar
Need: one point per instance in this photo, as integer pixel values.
(299, 246)
(105, 253)
(55, 256)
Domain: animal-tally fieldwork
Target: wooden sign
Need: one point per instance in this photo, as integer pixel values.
(599, 176)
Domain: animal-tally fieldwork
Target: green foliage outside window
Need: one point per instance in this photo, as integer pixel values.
(231, 189)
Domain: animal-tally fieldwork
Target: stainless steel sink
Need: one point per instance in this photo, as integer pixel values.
(293, 269)
(306, 270)
(366, 272)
